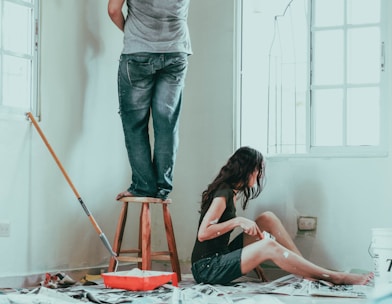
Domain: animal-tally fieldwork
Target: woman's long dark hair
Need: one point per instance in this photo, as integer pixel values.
(235, 175)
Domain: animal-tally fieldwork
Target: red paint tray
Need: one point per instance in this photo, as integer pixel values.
(137, 279)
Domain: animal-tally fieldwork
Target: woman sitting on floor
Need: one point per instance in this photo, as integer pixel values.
(216, 261)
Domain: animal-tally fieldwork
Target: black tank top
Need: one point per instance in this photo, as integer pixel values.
(219, 244)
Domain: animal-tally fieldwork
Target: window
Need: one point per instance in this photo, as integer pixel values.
(316, 79)
(18, 57)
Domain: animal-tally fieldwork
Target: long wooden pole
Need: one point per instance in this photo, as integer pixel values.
(90, 216)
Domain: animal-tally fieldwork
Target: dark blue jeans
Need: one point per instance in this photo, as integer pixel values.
(150, 83)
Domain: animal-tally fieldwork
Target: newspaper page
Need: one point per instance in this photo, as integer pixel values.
(298, 286)
(318, 288)
(288, 285)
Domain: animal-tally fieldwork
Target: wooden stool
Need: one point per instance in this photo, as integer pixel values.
(144, 254)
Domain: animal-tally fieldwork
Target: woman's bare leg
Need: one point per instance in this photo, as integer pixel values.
(269, 222)
(260, 251)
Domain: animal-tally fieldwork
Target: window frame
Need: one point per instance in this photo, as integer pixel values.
(17, 112)
(345, 150)
(380, 150)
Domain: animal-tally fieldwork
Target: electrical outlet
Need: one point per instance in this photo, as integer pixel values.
(307, 223)
(5, 228)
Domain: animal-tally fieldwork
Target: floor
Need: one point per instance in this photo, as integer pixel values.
(254, 295)
(318, 300)
(246, 290)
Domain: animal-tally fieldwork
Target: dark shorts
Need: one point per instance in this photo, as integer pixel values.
(220, 268)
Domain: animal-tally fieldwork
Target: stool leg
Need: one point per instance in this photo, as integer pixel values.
(139, 264)
(119, 235)
(171, 242)
(145, 219)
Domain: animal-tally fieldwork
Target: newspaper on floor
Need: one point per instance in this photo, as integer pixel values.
(41, 295)
(298, 286)
(239, 293)
(343, 291)
(189, 292)
(219, 294)
(100, 294)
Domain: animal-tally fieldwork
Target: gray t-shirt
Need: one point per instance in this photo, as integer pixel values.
(157, 26)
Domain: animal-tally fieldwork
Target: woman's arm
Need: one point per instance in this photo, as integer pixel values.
(210, 228)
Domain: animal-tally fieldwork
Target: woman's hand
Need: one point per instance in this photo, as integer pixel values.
(250, 227)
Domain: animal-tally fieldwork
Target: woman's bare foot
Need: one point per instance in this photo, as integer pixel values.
(123, 194)
(353, 278)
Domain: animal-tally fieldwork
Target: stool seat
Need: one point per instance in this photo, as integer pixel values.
(144, 255)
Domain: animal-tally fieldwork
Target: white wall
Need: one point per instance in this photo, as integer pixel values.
(349, 196)
(49, 230)
(80, 49)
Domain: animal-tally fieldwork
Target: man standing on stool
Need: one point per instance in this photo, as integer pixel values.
(151, 77)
